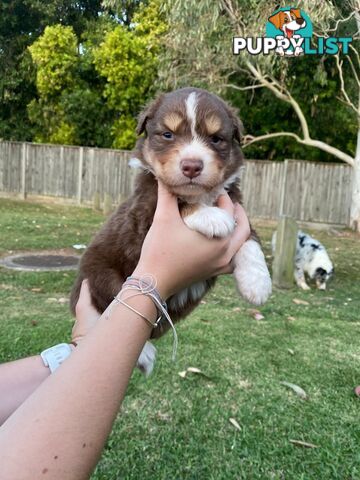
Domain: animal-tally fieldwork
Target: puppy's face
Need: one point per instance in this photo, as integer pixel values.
(288, 21)
(321, 277)
(192, 141)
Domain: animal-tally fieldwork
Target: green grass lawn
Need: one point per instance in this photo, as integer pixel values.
(178, 428)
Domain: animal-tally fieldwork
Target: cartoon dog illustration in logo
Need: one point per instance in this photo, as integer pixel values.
(289, 22)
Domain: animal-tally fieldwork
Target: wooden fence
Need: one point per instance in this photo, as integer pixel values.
(307, 191)
(74, 173)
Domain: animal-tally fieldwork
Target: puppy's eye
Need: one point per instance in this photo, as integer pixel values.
(167, 135)
(216, 139)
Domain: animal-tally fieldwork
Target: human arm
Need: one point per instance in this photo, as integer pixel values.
(61, 428)
(20, 378)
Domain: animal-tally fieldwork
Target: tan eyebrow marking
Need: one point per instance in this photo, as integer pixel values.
(172, 121)
(213, 124)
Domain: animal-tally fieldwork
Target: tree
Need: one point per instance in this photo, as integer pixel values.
(55, 55)
(70, 107)
(128, 60)
(21, 23)
(91, 88)
(123, 10)
(17, 20)
(213, 23)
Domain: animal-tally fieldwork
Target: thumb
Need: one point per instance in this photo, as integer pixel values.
(85, 291)
(166, 202)
(225, 203)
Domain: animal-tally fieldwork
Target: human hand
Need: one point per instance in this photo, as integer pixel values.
(86, 314)
(178, 256)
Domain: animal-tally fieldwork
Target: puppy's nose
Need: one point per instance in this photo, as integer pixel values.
(300, 21)
(191, 168)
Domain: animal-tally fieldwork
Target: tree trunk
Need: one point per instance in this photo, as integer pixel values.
(355, 195)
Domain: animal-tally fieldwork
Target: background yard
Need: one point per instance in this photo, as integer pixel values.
(178, 428)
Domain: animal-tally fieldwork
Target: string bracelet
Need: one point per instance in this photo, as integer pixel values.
(118, 300)
(146, 285)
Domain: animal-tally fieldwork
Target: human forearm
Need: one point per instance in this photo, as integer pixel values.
(18, 380)
(61, 428)
(70, 415)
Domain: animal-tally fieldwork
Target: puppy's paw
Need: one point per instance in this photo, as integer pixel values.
(251, 273)
(146, 360)
(211, 222)
(304, 286)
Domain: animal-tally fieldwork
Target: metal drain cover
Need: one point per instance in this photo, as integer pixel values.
(41, 262)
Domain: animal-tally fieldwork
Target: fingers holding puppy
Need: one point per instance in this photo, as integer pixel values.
(225, 203)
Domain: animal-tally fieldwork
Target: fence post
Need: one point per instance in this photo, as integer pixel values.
(283, 264)
(283, 187)
(96, 201)
(23, 171)
(80, 172)
(107, 204)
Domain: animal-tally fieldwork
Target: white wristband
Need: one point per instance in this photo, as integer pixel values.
(54, 356)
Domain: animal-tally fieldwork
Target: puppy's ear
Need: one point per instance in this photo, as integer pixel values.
(276, 19)
(148, 112)
(296, 11)
(238, 127)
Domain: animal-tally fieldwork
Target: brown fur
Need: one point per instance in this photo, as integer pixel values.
(114, 252)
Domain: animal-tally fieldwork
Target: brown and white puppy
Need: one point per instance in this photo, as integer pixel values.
(191, 143)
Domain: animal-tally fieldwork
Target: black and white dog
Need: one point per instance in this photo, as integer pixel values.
(311, 259)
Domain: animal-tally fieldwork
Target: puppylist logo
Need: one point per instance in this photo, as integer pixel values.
(289, 33)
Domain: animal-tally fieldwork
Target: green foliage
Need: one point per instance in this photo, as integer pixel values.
(21, 23)
(17, 88)
(91, 88)
(121, 59)
(123, 131)
(70, 108)
(124, 10)
(55, 56)
(85, 108)
(17, 19)
(55, 93)
(128, 60)
(149, 22)
(50, 123)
